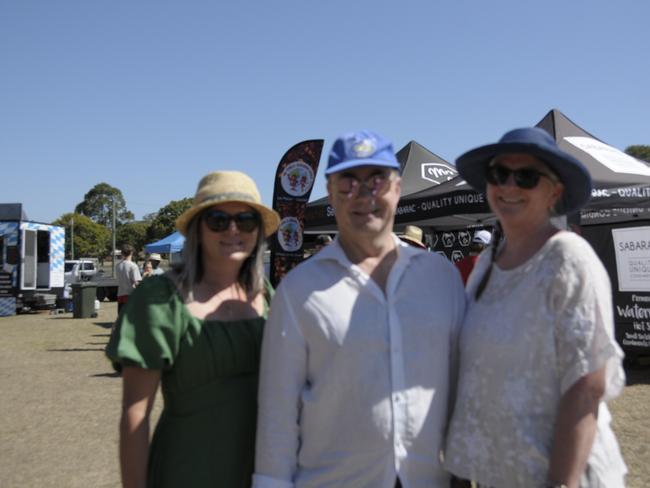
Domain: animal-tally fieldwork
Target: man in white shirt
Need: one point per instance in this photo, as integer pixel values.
(358, 351)
(128, 276)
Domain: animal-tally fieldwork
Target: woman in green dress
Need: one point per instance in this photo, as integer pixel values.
(196, 331)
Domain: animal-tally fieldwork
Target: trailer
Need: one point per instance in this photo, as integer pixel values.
(31, 262)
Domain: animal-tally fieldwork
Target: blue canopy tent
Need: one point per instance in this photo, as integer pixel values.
(173, 243)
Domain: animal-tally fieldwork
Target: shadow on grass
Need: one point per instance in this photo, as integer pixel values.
(100, 335)
(114, 374)
(104, 325)
(78, 349)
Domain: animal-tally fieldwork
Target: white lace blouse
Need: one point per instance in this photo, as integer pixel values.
(535, 330)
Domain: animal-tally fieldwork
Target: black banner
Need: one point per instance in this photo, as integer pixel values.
(294, 180)
(631, 309)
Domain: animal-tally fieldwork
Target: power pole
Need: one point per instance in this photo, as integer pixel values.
(72, 238)
(113, 237)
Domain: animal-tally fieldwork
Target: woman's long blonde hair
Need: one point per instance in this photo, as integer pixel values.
(190, 271)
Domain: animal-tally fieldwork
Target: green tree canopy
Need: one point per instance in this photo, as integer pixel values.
(90, 239)
(639, 152)
(98, 205)
(134, 233)
(163, 223)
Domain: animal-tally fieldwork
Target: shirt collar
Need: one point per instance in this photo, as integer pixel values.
(335, 252)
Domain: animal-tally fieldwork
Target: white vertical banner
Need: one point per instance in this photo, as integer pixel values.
(632, 249)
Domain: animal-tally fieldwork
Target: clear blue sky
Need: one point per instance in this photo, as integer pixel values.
(148, 96)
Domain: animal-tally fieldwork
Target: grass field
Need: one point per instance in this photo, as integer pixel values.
(60, 404)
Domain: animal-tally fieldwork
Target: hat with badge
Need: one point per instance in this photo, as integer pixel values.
(361, 148)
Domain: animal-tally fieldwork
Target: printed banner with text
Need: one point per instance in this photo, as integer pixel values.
(294, 180)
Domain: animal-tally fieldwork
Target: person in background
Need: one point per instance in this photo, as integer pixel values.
(538, 356)
(413, 236)
(128, 276)
(322, 240)
(479, 242)
(357, 356)
(147, 270)
(154, 259)
(196, 332)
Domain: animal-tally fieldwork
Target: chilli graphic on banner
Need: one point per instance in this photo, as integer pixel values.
(294, 180)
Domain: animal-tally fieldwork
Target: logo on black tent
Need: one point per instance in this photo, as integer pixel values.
(456, 256)
(448, 239)
(464, 238)
(437, 173)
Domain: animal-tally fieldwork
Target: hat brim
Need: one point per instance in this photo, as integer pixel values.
(410, 240)
(270, 218)
(355, 163)
(574, 176)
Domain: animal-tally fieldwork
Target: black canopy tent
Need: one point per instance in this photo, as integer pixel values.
(621, 183)
(420, 170)
(620, 201)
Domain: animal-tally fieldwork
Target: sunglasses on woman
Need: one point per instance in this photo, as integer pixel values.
(525, 178)
(376, 184)
(218, 221)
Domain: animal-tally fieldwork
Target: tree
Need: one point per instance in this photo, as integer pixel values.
(639, 152)
(98, 205)
(134, 233)
(90, 239)
(164, 223)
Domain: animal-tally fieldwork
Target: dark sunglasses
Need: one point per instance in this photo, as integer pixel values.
(525, 178)
(218, 221)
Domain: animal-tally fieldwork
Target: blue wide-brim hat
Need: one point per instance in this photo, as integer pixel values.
(361, 148)
(472, 165)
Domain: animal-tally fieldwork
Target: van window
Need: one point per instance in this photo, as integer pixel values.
(2, 250)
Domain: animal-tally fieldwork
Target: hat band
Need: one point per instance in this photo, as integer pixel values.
(222, 197)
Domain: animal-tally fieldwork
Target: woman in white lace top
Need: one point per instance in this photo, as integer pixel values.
(538, 356)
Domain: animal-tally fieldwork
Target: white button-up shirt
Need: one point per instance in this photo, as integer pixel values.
(355, 383)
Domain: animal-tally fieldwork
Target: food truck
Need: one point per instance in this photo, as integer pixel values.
(31, 261)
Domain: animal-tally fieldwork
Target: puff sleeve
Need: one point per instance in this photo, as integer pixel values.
(149, 331)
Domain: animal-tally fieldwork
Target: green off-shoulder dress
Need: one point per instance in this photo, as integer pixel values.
(206, 433)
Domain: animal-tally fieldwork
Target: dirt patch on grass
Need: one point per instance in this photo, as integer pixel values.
(60, 405)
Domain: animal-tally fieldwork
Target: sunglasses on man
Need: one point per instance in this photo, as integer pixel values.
(526, 178)
(219, 221)
(376, 184)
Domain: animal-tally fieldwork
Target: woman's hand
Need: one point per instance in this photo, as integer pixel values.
(575, 429)
(138, 393)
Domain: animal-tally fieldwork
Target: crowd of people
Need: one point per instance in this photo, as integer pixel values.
(373, 365)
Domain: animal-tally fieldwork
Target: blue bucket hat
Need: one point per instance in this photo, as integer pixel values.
(362, 148)
(537, 142)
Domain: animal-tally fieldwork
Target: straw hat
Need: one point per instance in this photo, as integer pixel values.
(413, 235)
(154, 256)
(224, 187)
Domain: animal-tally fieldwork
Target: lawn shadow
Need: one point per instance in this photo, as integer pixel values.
(77, 349)
(114, 374)
(105, 325)
(100, 335)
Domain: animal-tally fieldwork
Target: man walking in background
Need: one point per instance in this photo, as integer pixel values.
(128, 276)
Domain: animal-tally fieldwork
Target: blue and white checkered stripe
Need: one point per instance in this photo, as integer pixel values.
(7, 306)
(57, 250)
(9, 231)
(57, 256)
